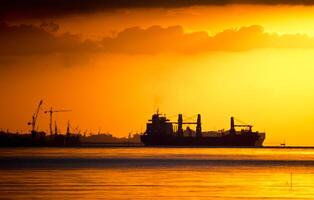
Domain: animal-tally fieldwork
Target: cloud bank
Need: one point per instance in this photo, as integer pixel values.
(54, 8)
(29, 39)
(32, 40)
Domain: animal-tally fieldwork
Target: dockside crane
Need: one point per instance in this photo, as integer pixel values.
(51, 111)
(34, 118)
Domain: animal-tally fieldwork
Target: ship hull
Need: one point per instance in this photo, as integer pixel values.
(243, 140)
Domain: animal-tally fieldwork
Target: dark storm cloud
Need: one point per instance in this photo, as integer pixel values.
(53, 8)
(152, 40)
(25, 40)
(156, 39)
(29, 39)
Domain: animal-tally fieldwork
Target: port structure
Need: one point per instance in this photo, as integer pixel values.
(51, 111)
(180, 125)
(34, 118)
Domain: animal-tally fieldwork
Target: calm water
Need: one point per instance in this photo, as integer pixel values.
(156, 173)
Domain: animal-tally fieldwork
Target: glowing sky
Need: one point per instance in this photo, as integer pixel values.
(114, 66)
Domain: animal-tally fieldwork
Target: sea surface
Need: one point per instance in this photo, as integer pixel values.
(156, 173)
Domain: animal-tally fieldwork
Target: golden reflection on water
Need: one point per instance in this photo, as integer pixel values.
(159, 181)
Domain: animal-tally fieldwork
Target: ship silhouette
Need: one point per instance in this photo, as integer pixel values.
(160, 131)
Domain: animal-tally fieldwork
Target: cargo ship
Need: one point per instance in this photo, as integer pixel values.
(160, 131)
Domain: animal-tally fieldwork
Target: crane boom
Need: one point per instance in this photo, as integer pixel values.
(61, 111)
(34, 117)
(38, 108)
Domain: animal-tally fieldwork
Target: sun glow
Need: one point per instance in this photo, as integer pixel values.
(253, 62)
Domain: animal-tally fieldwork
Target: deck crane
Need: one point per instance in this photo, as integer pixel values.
(198, 124)
(51, 111)
(34, 118)
(233, 125)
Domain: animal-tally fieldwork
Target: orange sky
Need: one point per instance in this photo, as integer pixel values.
(253, 62)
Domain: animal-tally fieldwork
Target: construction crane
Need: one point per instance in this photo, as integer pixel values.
(34, 118)
(51, 111)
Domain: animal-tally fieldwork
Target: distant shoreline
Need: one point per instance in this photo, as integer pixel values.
(142, 145)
